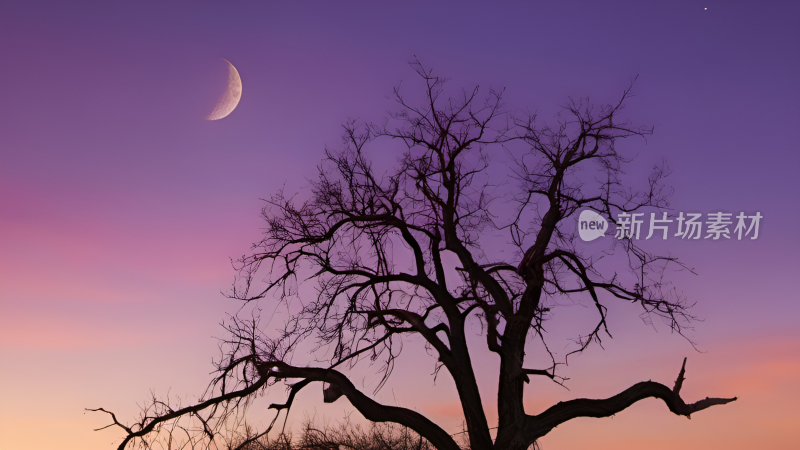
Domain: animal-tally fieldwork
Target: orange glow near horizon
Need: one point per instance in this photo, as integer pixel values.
(121, 208)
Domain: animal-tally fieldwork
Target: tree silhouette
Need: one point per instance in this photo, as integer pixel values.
(406, 252)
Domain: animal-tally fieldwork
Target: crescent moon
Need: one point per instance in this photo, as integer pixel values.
(230, 98)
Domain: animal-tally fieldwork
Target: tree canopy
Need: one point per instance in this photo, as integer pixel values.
(409, 251)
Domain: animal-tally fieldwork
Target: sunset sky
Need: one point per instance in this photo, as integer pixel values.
(120, 207)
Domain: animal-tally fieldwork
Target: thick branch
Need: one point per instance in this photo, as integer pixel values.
(583, 407)
(418, 323)
(369, 408)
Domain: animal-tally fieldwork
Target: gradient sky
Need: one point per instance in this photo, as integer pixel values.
(120, 207)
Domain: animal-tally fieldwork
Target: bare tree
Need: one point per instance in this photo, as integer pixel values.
(445, 199)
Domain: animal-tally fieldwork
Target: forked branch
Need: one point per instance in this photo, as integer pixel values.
(583, 407)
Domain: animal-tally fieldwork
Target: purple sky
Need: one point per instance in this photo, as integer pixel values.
(120, 207)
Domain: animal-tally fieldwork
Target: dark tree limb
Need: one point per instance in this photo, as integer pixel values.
(149, 423)
(368, 407)
(541, 424)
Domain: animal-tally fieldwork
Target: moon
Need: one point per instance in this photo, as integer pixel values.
(230, 98)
